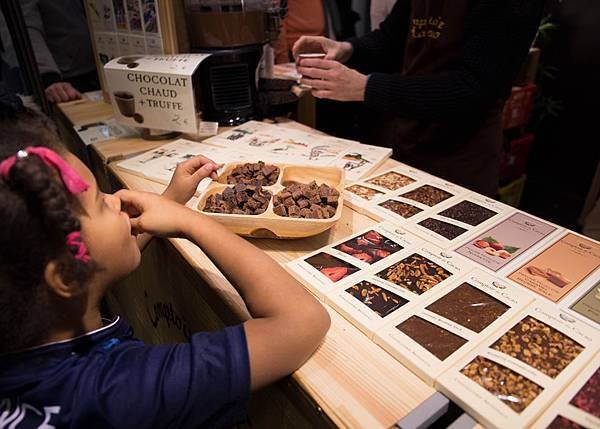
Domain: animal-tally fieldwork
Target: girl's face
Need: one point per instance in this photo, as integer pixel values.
(105, 229)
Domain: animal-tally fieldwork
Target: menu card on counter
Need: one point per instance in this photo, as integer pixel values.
(571, 261)
(513, 376)
(431, 336)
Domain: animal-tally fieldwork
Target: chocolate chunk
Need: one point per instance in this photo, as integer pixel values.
(332, 200)
(257, 174)
(280, 210)
(293, 211)
(237, 200)
(308, 201)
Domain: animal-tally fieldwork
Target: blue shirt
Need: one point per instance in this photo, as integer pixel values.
(107, 378)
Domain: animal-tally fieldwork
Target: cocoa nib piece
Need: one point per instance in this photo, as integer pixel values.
(239, 199)
(539, 345)
(516, 391)
(445, 229)
(257, 174)
(469, 213)
(308, 201)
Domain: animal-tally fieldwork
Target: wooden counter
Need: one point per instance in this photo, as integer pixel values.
(349, 381)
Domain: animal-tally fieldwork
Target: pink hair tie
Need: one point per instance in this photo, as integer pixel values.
(75, 242)
(73, 182)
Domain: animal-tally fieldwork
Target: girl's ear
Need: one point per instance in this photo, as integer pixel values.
(54, 279)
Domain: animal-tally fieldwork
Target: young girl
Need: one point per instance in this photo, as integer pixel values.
(63, 243)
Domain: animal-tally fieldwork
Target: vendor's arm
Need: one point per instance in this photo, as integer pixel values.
(497, 40)
(383, 49)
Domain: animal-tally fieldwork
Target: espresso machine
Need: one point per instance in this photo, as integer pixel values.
(235, 33)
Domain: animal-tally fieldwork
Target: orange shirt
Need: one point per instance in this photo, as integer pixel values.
(304, 17)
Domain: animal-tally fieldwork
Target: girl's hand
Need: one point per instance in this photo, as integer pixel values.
(338, 51)
(155, 214)
(187, 176)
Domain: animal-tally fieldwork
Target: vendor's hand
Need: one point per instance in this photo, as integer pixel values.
(154, 214)
(338, 51)
(61, 92)
(187, 176)
(332, 80)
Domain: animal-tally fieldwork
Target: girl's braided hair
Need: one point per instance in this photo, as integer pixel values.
(37, 214)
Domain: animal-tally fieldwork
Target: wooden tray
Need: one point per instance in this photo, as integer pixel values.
(268, 224)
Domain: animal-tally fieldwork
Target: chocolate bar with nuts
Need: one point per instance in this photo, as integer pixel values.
(539, 345)
(257, 173)
(381, 301)
(400, 208)
(239, 199)
(428, 195)
(415, 273)
(513, 389)
(309, 201)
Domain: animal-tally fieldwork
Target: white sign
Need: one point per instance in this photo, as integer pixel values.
(155, 91)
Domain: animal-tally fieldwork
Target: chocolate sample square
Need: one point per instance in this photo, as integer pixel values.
(428, 195)
(391, 180)
(415, 273)
(516, 391)
(363, 192)
(445, 229)
(469, 213)
(334, 268)
(437, 341)
(378, 299)
(469, 307)
(369, 247)
(561, 422)
(400, 208)
(588, 398)
(539, 346)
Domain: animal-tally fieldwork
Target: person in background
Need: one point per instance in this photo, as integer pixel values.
(380, 9)
(61, 364)
(304, 17)
(61, 43)
(436, 74)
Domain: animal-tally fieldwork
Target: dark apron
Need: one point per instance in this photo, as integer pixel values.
(464, 150)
